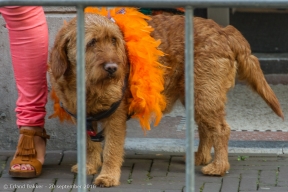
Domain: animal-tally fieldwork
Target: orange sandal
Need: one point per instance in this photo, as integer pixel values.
(26, 154)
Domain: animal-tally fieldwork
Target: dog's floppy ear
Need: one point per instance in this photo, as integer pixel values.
(58, 57)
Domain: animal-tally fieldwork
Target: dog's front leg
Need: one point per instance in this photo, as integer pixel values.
(115, 132)
(93, 160)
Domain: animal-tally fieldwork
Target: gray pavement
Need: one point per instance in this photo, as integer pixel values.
(155, 172)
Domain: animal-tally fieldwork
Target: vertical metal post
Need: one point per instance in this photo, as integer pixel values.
(189, 95)
(81, 101)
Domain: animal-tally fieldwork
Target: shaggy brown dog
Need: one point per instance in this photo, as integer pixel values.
(220, 54)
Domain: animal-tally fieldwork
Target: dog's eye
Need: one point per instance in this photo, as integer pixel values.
(114, 41)
(91, 43)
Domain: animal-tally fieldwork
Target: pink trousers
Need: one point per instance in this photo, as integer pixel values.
(28, 34)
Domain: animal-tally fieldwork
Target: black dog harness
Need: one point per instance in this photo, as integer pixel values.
(96, 137)
(99, 137)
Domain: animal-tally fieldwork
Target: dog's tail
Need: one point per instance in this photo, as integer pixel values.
(249, 69)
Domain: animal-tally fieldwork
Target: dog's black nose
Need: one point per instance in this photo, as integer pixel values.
(110, 67)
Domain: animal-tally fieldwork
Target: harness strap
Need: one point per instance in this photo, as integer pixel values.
(98, 137)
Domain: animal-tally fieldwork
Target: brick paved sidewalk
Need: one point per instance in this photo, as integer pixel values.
(156, 173)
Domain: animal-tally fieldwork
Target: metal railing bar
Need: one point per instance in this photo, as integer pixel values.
(153, 3)
(81, 101)
(189, 98)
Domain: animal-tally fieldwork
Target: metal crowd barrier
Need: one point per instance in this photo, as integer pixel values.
(189, 65)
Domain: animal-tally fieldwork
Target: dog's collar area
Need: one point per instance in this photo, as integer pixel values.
(96, 137)
(99, 137)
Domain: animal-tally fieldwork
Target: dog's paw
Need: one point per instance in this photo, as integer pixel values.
(90, 170)
(74, 169)
(213, 168)
(202, 159)
(107, 180)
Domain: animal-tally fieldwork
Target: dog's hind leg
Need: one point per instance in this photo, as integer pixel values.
(115, 132)
(93, 158)
(220, 138)
(213, 129)
(203, 155)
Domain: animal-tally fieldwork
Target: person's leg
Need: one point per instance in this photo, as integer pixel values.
(28, 34)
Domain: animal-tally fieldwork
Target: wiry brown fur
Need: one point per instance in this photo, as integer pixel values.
(220, 54)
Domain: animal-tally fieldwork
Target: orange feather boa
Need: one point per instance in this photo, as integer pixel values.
(146, 73)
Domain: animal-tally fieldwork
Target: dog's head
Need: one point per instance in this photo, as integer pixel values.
(105, 54)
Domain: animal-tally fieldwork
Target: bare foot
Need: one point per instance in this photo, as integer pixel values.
(40, 147)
